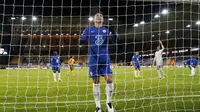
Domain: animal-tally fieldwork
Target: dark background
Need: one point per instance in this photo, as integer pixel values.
(125, 14)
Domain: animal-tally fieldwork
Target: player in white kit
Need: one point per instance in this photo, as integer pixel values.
(159, 61)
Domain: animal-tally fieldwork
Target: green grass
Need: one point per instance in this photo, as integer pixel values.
(23, 90)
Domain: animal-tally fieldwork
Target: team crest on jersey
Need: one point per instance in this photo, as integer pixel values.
(104, 31)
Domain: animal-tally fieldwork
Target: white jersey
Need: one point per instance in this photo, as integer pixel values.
(158, 57)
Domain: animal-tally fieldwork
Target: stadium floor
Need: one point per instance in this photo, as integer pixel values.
(33, 90)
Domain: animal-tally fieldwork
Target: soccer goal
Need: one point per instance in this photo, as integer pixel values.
(99, 55)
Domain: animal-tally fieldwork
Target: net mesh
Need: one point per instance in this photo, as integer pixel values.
(32, 29)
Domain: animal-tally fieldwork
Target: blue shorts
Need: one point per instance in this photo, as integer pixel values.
(56, 69)
(137, 66)
(99, 70)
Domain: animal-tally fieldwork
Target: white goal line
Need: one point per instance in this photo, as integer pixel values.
(91, 101)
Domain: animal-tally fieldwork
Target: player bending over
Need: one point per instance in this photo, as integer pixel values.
(159, 61)
(136, 62)
(71, 65)
(192, 64)
(55, 64)
(99, 59)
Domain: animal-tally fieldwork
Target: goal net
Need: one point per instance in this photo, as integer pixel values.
(31, 30)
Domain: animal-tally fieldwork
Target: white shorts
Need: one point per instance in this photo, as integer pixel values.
(159, 63)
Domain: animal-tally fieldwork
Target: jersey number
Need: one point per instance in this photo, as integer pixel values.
(99, 40)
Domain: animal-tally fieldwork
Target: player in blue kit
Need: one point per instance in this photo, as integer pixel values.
(55, 64)
(136, 62)
(192, 64)
(98, 37)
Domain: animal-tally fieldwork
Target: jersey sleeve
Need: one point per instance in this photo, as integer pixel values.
(85, 34)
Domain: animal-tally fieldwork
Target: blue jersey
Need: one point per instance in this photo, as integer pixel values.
(55, 61)
(192, 61)
(98, 44)
(136, 60)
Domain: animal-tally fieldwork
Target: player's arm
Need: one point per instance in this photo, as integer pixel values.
(83, 39)
(162, 49)
(154, 60)
(113, 34)
(139, 59)
(74, 61)
(52, 61)
(133, 61)
(69, 61)
(60, 60)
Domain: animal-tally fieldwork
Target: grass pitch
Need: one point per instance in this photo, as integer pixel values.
(33, 90)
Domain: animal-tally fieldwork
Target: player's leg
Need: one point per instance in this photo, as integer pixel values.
(169, 63)
(93, 72)
(72, 69)
(135, 70)
(192, 70)
(54, 73)
(69, 70)
(161, 71)
(109, 92)
(96, 93)
(59, 76)
(172, 64)
(107, 72)
(109, 87)
(138, 69)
